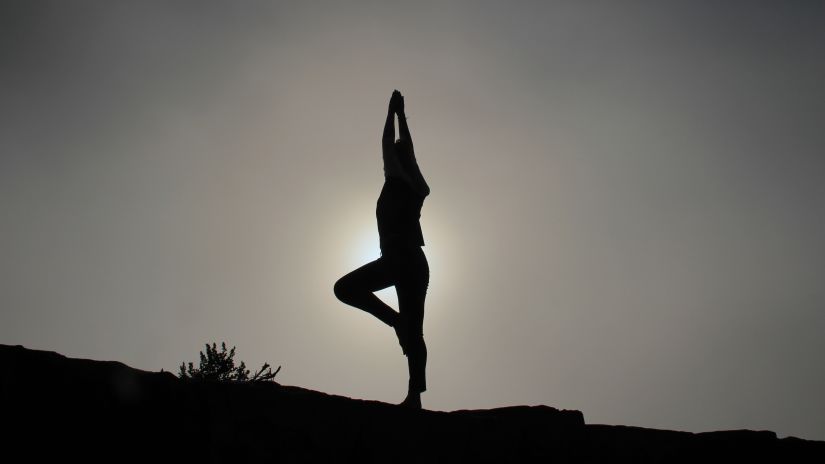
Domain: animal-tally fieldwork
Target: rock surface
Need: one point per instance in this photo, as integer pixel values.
(56, 407)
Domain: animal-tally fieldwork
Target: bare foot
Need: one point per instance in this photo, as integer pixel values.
(412, 401)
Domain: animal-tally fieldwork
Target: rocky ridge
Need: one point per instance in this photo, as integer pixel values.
(66, 408)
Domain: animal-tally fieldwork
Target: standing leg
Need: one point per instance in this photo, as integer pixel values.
(356, 289)
(412, 291)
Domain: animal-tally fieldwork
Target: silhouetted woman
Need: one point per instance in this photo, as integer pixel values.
(402, 263)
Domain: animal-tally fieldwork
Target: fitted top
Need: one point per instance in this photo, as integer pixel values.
(397, 211)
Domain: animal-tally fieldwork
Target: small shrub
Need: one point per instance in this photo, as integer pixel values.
(216, 365)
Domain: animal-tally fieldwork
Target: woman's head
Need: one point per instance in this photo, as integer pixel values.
(403, 159)
(403, 147)
(404, 152)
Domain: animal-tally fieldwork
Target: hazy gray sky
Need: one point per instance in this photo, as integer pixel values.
(627, 210)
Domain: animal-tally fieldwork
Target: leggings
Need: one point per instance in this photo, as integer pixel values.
(406, 268)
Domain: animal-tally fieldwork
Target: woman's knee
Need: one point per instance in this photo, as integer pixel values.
(343, 290)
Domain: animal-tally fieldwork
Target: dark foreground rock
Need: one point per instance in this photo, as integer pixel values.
(55, 407)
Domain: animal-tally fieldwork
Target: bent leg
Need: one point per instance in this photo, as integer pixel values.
(356, 289)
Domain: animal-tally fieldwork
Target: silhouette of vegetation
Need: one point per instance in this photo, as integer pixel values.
(215, 365)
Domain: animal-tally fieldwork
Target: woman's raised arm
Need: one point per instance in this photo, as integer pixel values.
(403, 129)
(389, 125)
(411, 172)
(392, 168)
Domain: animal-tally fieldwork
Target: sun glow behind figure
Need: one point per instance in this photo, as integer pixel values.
(358, 244)
(363, 247)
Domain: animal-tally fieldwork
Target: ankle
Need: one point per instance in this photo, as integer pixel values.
(413, 400)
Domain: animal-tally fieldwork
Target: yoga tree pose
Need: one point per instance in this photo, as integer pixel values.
(402, 263)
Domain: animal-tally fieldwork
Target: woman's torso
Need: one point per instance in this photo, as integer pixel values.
(398, 211)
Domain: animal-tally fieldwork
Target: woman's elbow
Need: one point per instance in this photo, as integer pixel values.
(424, 190)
